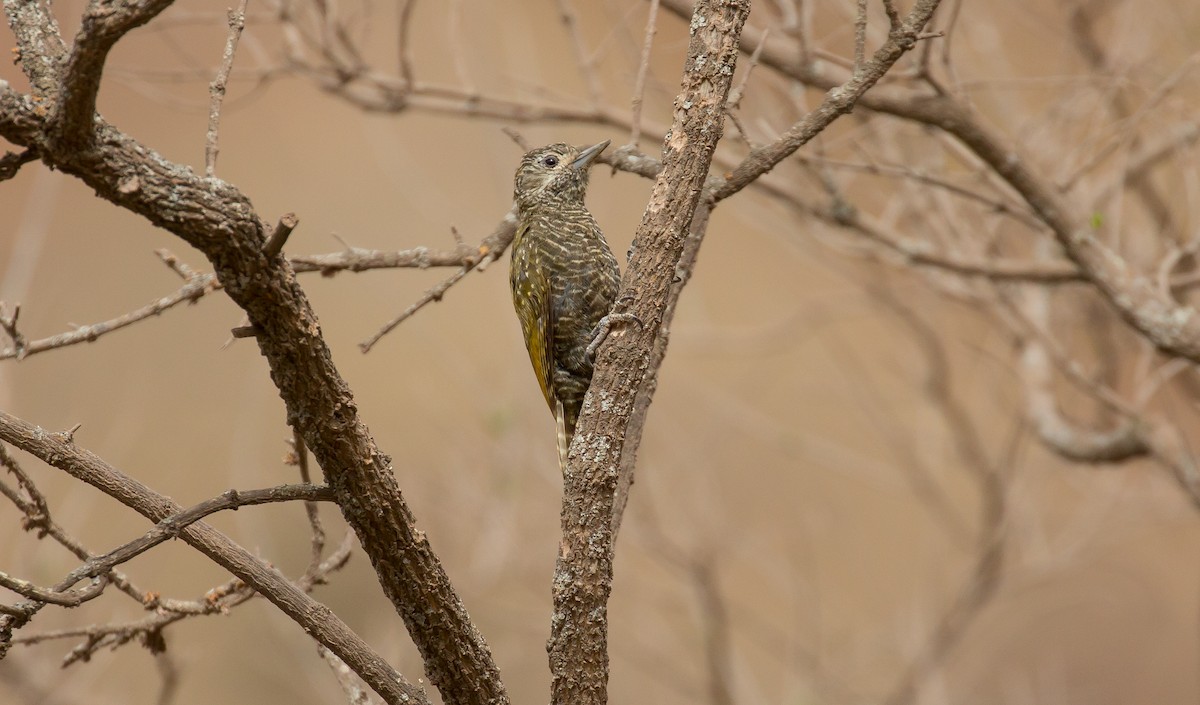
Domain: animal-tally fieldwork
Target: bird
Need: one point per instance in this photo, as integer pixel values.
(564, 277)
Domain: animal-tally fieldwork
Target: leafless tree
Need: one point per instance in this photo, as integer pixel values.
(1067, 231)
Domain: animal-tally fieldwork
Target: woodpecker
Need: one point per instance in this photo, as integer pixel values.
(563, 275)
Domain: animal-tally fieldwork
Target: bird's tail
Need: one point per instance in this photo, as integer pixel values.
(564, 438)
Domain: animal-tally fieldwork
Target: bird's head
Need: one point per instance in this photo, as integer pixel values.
(557, 172)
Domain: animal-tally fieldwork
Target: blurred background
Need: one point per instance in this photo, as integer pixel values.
(842, 496)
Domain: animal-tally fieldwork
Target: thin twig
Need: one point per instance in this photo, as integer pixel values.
(37, 517)
(283, 230)
(195, 288)
(457, 48)
(197, 285)
(310, 507)
(860, 36)
(639, 83)
(516, 137)
(52, 596)
(404, 45)
(351, 688)
(290, 597)
(98, 568)
(836, 103)
(12, 162)
(586, 68)
(20, 346)
(738, 91)
(487, 253)
(237, 22)
(434, 293)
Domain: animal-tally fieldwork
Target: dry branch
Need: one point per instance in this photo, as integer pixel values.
(1171, 327)
(219, 220)
(56, 450)
(12, 162)
(237, 22)
(583, 573)
(72, 125)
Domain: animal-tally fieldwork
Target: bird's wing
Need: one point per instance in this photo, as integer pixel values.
(535, 308)
(543, 361)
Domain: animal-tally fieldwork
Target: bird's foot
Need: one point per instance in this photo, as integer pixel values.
(605, 326)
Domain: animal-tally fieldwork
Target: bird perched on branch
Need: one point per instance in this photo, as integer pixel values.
(564, 277)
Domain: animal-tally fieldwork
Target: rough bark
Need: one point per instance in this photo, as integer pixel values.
(217, 219)
(583, 575)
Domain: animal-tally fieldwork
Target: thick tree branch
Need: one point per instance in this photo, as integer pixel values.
(72, 119)
(583, 574)
(40, 48)
(220, 221)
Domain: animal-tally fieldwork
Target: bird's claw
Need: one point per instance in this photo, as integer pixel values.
(604, 326)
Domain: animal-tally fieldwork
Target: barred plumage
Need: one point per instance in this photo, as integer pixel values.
(564, 276)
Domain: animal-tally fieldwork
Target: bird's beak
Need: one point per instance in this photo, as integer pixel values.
(586, 156)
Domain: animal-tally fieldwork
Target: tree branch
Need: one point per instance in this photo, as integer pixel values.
(98, 568)
(838, 101)
(1170, 327)
(59, 451)
(216, 218)
(12, 162)
(72, 120)
(583, 574)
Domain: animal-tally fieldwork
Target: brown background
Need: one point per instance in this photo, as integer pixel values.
(789, 407)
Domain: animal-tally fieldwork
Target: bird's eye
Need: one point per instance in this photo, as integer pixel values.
(550, 161)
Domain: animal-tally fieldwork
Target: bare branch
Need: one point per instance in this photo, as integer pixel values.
(860, 36)
(37, 517)
(404, 45)
(837, 102)
(219, 600)
(98, 568)
(315, 618)
(996, 205)
(193, 290)
(639, 83)
(586, 68)
(40, 48)
(169, 527)
(72, 125)
(12, 162)
(502, 236)
(1172, 328)
(735, 98)
(283, 230)
(355, 694)
(434, 293)
(20, 346)
(51, 596)
(583, 573)
(357, 259)
(318, 400)
(237, 22)
(310, 507)
(196, 286)
(980, 588)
